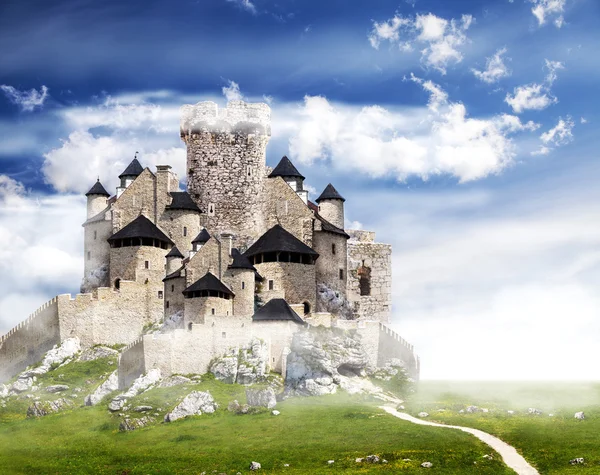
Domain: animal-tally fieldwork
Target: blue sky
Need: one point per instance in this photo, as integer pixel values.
(462, 132)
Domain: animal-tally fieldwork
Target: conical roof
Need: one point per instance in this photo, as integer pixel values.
(97, 189)
(278, 239)
(202, 238)
(276, 310)
(330, 193)
(133, 169)
(285, 168)
(208, 282)
(174, 252)
(141, 227)
(240, 261)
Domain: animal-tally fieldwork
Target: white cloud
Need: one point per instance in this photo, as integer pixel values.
(26, 100)
(232, 91)
(545, 9)
(440, 39)
(408, 142)
(495, 69)
(552, 67)
(535, 96)
(583, 120)
(245, 5)
(560, 134)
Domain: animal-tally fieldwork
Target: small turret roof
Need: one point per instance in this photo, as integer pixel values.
(208, 282)
(140, 227)
(240, 261)
(133, 169)
(274, 310)
(285, 168)
(174, 252)
(97, 189)
(278, 239)
(327, 226)
(202, 238)
(183, 200)
(330, 193)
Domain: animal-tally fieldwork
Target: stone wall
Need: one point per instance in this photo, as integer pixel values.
(197, 309)
(242, 284)
(333, 211)
(174, 296)
(96, 248)
(207, 259)
(131, 363)
(129, 263)
(296, 281)
(26, 343)
(138, 198)
(392, 345)
(329, 264)
(96, 204)
(181, 226)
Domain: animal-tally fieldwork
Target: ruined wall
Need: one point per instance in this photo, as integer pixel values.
(374, 260)
(26, 343)
(197, 309)
(207, 259)
(138, 198)
(283, 206)
(296, 281)
(96, 248)
(225, 160)
(242, 284)
(174, 296)
(331, 262)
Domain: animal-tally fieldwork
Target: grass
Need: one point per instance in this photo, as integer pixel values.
(548, 442)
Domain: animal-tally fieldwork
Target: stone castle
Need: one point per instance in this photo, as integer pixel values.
(242, 254)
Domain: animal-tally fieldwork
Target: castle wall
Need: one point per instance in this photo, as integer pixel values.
(329, 265)
(174, 296)
(138, 198)
(166, 181)
(181, 226)
(96, 248)
(129, 263)
(243, 303)
(392, 345)
(296, 281)
(333, 211)
(26, 343)
(373, 260)
(197, 309)
(131, 363)
(95, 204)
(283, 206)
(207, 259)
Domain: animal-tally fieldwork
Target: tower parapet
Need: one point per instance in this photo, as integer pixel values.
(237, 116)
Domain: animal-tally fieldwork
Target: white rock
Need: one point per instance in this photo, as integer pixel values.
(275, 413)
(579, 416)
(484, 409)
(372, 458)
(261, 397)
(359, 460)
(331, 462)
(96, 353)
(43, 408)
(194, 404)
(3, 391)
(57, 356)
(426, 465)
(175, 380)
(107, 387)
(254, 466)
(577, 461)
(423, 414)
(57, 388)
(510, 412)
(143, 383)
(472, 409)
(534, 411)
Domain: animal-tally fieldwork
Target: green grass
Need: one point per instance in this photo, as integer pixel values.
(548, 442)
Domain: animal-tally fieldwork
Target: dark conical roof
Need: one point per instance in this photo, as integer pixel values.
(174, 252)
(202, 238)
(97, 189)
(208, 282)
(278, 239)
(240, 261)
(276, 309)
(183, 200)
(285, 168)
(330, 193)
(133, 169)
(140, 227)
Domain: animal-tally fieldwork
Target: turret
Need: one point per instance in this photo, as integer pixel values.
(286, 170)
(133, 170)
(174, 260)
(96, 199)
(199, 241)
(331, 206)
(241, 278)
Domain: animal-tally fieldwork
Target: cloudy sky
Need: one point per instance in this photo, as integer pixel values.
(463, 133)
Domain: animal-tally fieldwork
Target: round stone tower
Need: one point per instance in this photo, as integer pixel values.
(96, 199)
(331, 206)
(226, 163)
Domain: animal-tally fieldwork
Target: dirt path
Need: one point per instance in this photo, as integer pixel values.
(508, 453)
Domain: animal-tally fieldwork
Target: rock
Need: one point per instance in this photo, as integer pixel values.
(43, 408)
(95, 278)
(107, 387)
(550, 415)
(384, 461)
(238, 408)
(117, 404)
(423, 414)
(142, 408)
(426, 465)
(359, 460)
(462, 411)
(485, 410)
(334, 303)
(21, 385)
(372, 459)
(261, 397)
(331, 462)
(225, 369)
(247, 365)
(3, 391)
(56, 356)
(175, 380)
(579, 416)
(96, 353)
(194, 404)
(57, 388)
(133, 424)
(577, 461)
(286, 464)
(143, 383)
(472, 409)
(534, 411)
(487, 457)
(254, 466)
(510, 412)
(275, 413)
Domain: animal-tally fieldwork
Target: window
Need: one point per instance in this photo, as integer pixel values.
(147, 264)
(167, 304)
(271, 285)
(213, 311)
(172, 288)
(364, 280)
(160, 294)
(333, 248)
(243, 285)
(341, 274)
(117, 284)
(185, 231)
(89, 255)
(190, 326)
(306, 308)
(224, 334)
(95, 235)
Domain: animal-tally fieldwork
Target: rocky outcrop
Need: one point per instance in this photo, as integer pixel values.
(261, 397)
(56, 356)
(133, 424)
(247, 365)
(318, 359)
(57, 388)
(332, 302)
(94, 279)
(96, 353)
(141, 384)
(107, 387)
(43, 408)
(175, 380)
(194, 404)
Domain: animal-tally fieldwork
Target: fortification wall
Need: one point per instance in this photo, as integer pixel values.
(296, 281)
(392, 345)
(131, 363)
(26, 343)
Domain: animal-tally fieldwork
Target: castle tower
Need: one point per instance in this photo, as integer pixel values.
(133, 170)
(286, 170)
(226, 161)
(174, 260)
(331, 206)
(96, 199)
(240, 276)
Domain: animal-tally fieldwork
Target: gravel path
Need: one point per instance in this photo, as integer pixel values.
(508, 453)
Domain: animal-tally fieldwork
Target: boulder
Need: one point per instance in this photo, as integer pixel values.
(57, 356)
(175, 380)
(579, 416)
(133, 424)
(238, 408)
(472, 409)
(246, 365)
(107, 387)
(254, 466)
(57, 388)
(96, 353)
(372, 458)
(261, 397)
(275, 413)
(194, 404)
(225, 368)
(577, 461)
(534, 411)
(426, 465)
(142, 408)
(423, 414)
(117, 404)
(22, 384)
(43, 408)
(3, 391)
(143, 383)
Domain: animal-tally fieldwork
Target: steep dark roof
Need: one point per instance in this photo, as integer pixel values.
(202, 238)
(327, 226)
(330, 193)
(278, 239)
(208, 282)
(140, 227)
(276, 309)
(174, 252)
(97, 189)
(183, 200)
(133, 169)
(240, 261)
(285, 168)
(175, 275)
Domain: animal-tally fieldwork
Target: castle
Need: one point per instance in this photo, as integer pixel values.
(242, 254)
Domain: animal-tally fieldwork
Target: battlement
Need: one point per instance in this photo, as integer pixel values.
(391, 333)
(238, 116)
(29, 320)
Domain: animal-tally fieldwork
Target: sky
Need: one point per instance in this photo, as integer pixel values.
(462, 133)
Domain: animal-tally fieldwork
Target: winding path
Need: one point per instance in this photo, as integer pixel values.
(508, 453)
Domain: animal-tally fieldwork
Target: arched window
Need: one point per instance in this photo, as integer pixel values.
(117, 284)
(364, 280)
(306, 306)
